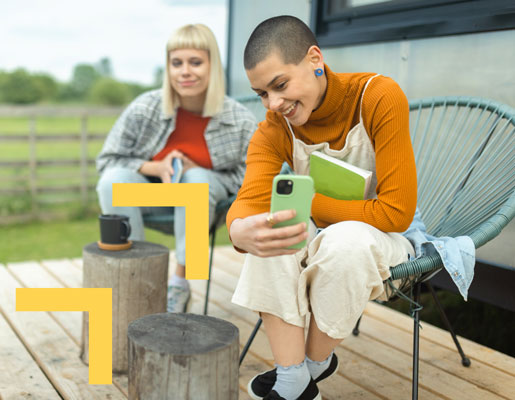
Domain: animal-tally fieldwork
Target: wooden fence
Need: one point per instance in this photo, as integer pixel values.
(26, 180)
(21, 178)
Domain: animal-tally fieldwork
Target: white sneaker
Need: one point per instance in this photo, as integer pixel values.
(178, 299)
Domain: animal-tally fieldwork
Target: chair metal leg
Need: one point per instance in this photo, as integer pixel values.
(416, 328)
(355, 331)
(250, 340)
(464, 359)
(208, 283)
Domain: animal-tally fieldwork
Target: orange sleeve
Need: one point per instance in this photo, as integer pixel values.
(386, 118)
(269, 147)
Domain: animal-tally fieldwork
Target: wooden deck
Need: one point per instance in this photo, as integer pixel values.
(39, 351)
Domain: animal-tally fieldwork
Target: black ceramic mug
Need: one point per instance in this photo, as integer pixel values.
(114, 228)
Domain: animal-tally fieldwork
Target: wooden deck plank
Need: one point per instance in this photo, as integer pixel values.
(431, 379)
(446, 359)
(229, 260)
(77, 262)
(20, 377)
(31, 274)
(441, 337)
(359, 368)
(69, 274)
(64, 271)
(54, 351)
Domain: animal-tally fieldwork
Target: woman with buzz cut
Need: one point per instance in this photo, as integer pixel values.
(189, 118)
(361, 118)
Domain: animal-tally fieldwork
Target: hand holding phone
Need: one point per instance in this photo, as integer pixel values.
(293, 192)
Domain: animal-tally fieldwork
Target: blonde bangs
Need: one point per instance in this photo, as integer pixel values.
(188, 37)
(198, 37)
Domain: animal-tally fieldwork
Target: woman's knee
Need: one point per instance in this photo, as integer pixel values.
(119, 175)
(195, 175)
(202, 175)
(346, 239)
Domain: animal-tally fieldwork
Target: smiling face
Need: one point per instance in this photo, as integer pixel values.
(293, 90)
(189, 73)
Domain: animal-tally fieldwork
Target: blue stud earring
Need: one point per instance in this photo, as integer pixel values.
(319, 71)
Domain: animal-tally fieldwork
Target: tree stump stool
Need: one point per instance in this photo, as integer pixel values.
(138, 277)
(183, 356)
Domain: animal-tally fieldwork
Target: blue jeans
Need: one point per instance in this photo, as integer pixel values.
(217, 192)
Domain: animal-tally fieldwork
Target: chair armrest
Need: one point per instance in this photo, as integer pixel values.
(419, 266)
(495, 224)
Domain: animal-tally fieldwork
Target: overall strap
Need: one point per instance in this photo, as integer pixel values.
(362, 95)
(290, 128)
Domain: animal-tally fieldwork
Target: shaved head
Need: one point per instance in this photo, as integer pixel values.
(287, 36)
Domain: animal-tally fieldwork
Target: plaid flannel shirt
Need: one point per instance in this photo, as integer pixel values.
(142, 131)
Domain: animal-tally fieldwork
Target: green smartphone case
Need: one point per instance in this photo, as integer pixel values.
(299, 199)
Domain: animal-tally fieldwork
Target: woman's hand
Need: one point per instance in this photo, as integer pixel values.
(187, 163)
(255, 234)
(162, 169)
(165, 168)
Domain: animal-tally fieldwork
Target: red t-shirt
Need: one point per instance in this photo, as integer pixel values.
(188, 138)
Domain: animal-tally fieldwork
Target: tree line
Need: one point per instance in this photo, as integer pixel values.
(90, 83)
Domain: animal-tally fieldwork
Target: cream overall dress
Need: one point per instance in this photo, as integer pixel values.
(339, 270)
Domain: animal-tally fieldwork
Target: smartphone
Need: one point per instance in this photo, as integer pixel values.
(293, 192)
(177, 170)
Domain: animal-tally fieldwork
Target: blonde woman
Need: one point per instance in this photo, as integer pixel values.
(188, 118)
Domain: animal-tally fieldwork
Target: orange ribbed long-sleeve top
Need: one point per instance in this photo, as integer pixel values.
(385, 114)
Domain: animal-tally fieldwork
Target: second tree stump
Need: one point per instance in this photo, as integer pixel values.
(183, 356)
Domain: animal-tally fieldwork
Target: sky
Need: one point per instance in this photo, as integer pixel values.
(55, 35)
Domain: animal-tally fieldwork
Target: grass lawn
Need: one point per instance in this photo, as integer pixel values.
(65, 239)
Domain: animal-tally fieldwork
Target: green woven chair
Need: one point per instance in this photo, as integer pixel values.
(465, 155)
(164, 224)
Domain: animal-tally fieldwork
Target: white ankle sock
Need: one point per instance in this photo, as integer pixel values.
(176, 280)
(316, 368)
(292, 380)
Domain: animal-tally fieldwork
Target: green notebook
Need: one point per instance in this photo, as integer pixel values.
(338, 179)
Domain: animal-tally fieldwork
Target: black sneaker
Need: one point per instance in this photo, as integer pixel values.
(262, 384)
(310, 393)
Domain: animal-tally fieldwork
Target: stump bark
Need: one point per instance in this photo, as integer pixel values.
(183, 356)
(138, 277)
